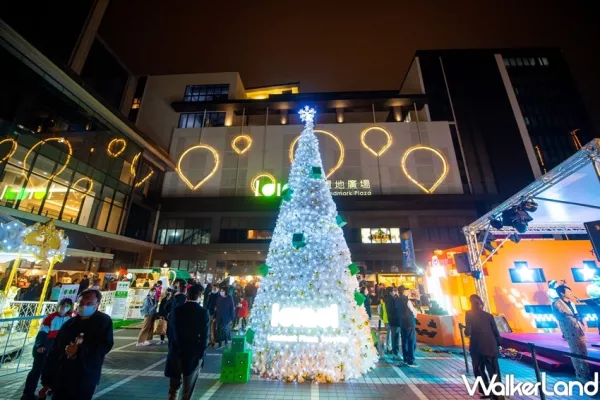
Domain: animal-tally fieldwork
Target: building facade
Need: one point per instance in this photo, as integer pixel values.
(391, 169)
(516, 112)
(68, 155)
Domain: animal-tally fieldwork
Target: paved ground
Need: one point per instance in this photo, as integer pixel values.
(137, 373)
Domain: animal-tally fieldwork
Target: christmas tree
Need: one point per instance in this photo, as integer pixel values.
(308, 316)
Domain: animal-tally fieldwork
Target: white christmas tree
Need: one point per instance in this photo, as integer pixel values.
(308, 316)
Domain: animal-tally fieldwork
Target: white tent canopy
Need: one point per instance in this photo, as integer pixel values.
(568, 196)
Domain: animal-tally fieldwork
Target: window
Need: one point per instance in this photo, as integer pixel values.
(182, 231)
(206, 92)
(380, 235)
(189, 265)
(136, 103)
(194, 120)
(259, 234)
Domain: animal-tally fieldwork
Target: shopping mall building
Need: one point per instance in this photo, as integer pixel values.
(192, 177)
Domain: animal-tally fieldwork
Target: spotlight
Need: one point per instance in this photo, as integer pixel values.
(517, 218)
(515, 238)
(496, 223)
(476, 274)
(529, 205)
(488, 241)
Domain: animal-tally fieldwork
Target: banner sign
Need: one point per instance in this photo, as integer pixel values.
(408, 251)
(68, 292)
(120, 302)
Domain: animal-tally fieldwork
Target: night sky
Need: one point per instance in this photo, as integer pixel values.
(332, 46)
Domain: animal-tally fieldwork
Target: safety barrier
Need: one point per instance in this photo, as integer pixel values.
(27, 308)
(16, 344)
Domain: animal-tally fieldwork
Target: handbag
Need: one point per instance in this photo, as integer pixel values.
(160, 327)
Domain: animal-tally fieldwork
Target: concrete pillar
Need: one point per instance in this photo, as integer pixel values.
(86, 38)
(128, 93)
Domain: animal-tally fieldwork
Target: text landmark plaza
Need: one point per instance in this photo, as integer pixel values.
(188, 236)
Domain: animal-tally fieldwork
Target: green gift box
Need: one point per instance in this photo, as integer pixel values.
(228, 359)
(360, 298)
(238, 344)
(243, 359)
(316, 172)
(298, 240)
(227, 374)
(353, 268)
(242, 376)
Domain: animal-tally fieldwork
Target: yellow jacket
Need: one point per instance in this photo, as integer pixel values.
(383, 312)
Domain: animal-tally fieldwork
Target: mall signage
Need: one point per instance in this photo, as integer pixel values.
(351, 187)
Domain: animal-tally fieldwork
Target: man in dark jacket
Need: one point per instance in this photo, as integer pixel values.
(74, 365)
(85, 283)
(392, 308)
(485, 340)
(224, 316)
(250, 293)
(206, 295)
(407, 313)
(189, 340)
(180, 297)
(211, 306)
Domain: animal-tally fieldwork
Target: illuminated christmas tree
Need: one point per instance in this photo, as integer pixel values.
(308, 316)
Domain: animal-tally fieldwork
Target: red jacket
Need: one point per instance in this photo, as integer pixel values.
(242, 311)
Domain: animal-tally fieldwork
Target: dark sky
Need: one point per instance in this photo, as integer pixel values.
(340, 45)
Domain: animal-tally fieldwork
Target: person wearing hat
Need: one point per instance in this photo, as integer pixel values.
(408, 336)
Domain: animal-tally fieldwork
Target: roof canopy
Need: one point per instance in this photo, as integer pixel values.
(567, 197)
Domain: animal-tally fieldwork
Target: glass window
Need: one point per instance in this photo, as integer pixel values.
(114, 221)
(206, 92)
(259, 234)
(194, 120)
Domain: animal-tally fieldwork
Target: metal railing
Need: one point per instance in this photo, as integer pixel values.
(27, 308)
(16, 344)
(533, 351)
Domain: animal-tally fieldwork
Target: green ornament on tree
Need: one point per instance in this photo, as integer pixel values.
(316, 172)
(353, 268)
(341, 221)
(286, 192)
(263, 270)
(359, 298)
(298, 240)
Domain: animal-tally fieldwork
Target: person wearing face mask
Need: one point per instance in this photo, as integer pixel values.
(211, 307)
(43, 343)
(74, 365)
(224, 316)
(148, 311)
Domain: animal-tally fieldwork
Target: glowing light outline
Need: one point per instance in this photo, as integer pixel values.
(12, 151)
(41, 142)
(89, 189)
(112, 143)
(257, 177)
(338, 141)
(363, 135)
(207, 177)
(410, 178)
(148, 176)
(241, 137)
(133, 164)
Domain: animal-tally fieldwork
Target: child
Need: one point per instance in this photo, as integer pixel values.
(242, 313)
